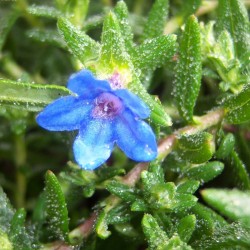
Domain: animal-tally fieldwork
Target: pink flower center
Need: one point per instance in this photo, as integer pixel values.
(107, 106)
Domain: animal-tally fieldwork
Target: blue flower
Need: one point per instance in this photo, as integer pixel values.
(104, 117)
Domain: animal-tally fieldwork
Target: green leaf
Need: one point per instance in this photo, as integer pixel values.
(119, 214)
(205, 172)
(152, 177)
(189, 7)
(186, 227)
(226, 146)
(44, 11)
(122, 191)
(29, 96)
(154, 53)
(188, 187)
(231, 237)
(80, 44)
(230, 203)
(47, 37)
(79, 8)
(156, 19)
(6, 212)
(7, 20)
(196, 148)
(206, 221)
(238, 172)
(18, 234)
(121, 12)
(56, 207)
(238, 106)
(113, 55)
(188, 70)
(157, 238)
(101, 226)
(234, 18)
(154, 234)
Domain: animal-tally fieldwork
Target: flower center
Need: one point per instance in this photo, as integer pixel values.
(107, 106)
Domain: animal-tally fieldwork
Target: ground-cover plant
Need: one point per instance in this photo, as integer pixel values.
(127, 73)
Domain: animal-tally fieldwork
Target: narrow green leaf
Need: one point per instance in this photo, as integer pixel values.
(154, 53)
(230, 203)
(188, 187)
(226, 146)
(234, 18)
(189, 7)
(119, 214)
(205, 172)
(238, 172)
(186, 227)
(122, 15)
(154, 234)
(44, 11)
(101, 226)
(122, 191)
(7, 20)
(47, 37)
(156, 19)
(80, 44)
(6, 212)
(113, 55)
(18, 234)
(238, 106)
(196, 148)
(157, 238)
(79, 8)
(206, 221)
(232, 236)
(188, 70)
(28, 96)
(56, 207)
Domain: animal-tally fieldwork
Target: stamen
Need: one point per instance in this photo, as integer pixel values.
(107, 106)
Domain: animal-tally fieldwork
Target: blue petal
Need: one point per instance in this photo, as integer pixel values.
(134, 103)
(135, 138)
(85, 84)
(94, 144)
(66, 113)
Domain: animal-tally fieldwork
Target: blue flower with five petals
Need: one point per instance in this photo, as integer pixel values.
(104, 117)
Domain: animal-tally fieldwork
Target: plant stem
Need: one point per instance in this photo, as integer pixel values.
(20, 159)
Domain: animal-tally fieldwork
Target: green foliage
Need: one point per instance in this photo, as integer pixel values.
(28, 96)
(56, 207)
(238, 106)
(197, 148)
(195, 194)
(80, 44)
(229, 203)
(154, 25)
(232, 16)
(188, 70)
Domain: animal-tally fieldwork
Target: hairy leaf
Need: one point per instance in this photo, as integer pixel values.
(188, 70)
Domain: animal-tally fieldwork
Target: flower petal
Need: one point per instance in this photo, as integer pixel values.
(135, 137)
(85, 84)
(94, 144)
(133, 102)
(66, 113)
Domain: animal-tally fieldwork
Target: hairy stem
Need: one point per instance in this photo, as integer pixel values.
(20, 159)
